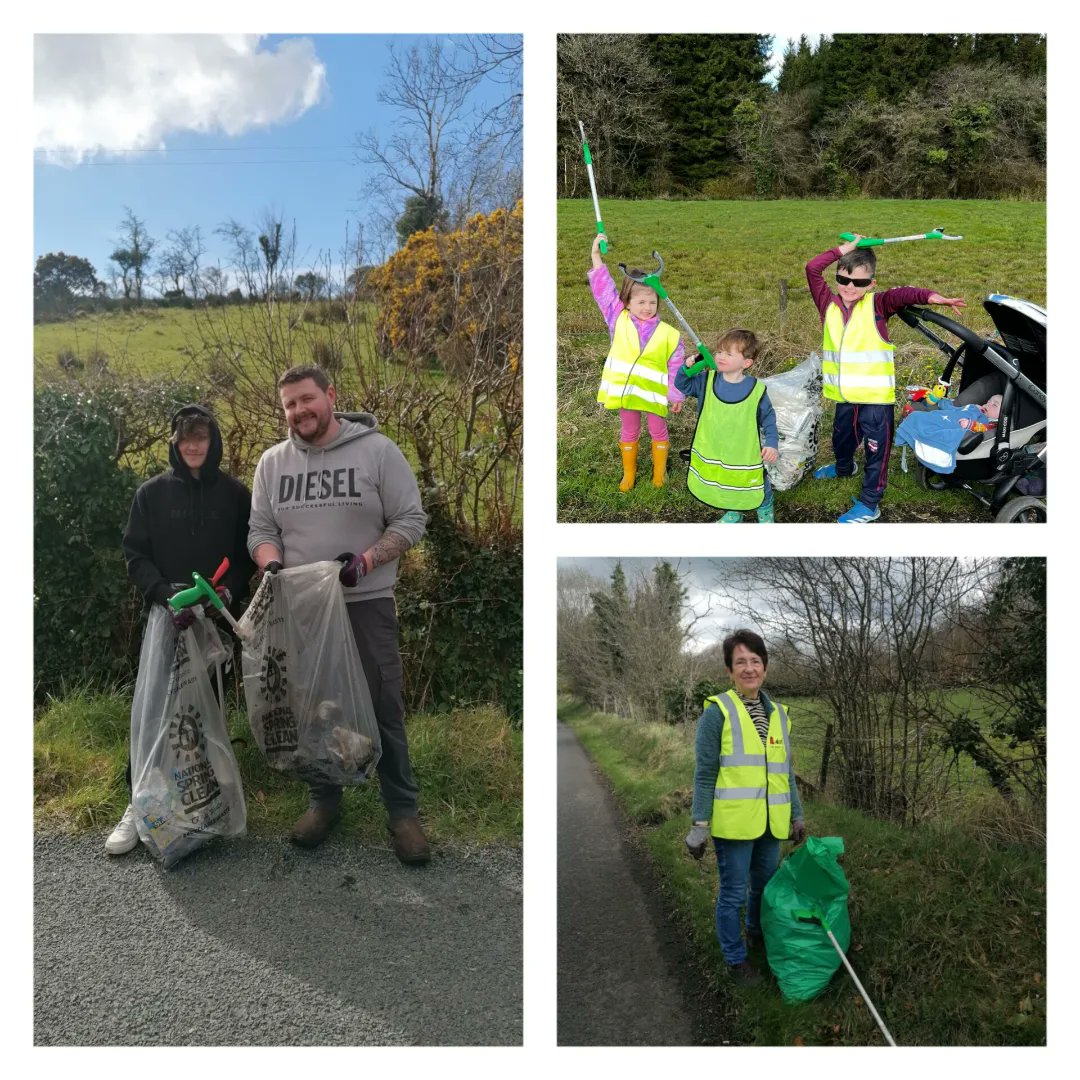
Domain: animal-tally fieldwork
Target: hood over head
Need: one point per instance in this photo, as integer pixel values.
(213, 457)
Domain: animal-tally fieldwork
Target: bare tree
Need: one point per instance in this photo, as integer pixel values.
(445, 156)
(608, 83)
(132, 254)
(865, 629)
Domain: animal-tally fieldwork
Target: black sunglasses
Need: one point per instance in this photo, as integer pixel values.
(858, 282)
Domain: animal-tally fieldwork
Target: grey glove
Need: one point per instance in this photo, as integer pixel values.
(798, 831)
(697, 839)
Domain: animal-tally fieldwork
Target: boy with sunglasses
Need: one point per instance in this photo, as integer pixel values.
(857, 366)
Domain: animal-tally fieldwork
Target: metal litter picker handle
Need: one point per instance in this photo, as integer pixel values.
(653, 282)
(817, 916)
(873, 241)
(592, 187)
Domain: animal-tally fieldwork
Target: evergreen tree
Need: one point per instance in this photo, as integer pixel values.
(708, 75)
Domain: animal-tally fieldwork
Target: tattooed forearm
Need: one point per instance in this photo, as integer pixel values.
(387, 548)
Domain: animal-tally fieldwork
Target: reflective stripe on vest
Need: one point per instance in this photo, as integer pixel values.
(857, 364)
(636, 378)
(725, 456)
(752, 793)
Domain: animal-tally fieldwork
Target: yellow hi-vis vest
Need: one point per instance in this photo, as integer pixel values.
(858, 361)
(752, 787)
(636, 378)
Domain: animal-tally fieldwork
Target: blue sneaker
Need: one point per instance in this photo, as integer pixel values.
(828, 472)
(859, 514)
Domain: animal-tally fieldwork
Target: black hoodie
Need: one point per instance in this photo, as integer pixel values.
(180, 524)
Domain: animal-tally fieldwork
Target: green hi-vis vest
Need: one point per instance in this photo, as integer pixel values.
(725, 455)
(636, 378)
(752, 787)
(858, 361)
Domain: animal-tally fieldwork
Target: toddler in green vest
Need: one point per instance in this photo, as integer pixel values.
(640, 369)
(736, 433)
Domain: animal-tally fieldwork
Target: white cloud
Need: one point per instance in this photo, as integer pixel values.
(114, 93)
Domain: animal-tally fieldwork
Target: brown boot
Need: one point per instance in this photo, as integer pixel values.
(314, 824)
(410, 843)
(659, 462)
(629, 465)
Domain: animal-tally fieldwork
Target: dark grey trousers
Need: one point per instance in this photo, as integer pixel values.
(375, 628)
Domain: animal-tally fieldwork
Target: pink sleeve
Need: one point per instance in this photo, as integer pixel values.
(675, 361)
(815, 278)
(606, 295)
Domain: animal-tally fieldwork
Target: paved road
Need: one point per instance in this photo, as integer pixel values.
(258, 943)
(618, 981)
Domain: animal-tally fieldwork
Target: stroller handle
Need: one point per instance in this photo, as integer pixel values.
(914, 316)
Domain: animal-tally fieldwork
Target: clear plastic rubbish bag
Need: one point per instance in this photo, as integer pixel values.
(307, 698)
(186, 786)
(796, 399)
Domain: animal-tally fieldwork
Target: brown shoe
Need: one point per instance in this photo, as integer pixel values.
(410, 843)
(314, 824)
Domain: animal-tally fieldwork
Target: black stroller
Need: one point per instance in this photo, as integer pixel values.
(1004, 467)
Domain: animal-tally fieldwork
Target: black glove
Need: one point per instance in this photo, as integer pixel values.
(798, 831)
(272, 567)
(183, 618)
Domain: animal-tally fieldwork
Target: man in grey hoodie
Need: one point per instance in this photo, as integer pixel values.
(336, 484)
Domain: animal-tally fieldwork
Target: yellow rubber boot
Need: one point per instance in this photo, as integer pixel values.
(629, 465)
(659, 462)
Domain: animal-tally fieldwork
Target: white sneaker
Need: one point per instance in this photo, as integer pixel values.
(125, 836)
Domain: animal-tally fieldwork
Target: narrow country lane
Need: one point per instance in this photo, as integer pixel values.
(257, 943)
(618, 985)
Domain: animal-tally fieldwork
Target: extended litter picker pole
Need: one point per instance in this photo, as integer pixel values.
(592, 187)
(819, 917)
(873, 241)
(653, 281)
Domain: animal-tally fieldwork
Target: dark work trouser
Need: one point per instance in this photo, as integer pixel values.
(871, 425)
(375, 628)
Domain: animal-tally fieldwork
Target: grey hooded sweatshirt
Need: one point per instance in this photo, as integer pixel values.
(317, 502)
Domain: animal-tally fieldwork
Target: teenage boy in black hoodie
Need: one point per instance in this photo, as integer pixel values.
(186, 519)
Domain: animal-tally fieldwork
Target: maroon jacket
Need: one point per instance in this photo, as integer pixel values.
(886, 303)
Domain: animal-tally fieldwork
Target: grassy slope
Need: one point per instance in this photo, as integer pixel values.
(949, 937)
(724, 262)
(468, 763)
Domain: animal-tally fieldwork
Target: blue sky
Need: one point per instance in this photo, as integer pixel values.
(292, 150)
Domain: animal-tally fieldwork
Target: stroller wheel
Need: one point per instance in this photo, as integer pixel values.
(932, 481)
(1023, 511)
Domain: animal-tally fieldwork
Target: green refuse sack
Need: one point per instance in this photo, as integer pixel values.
(800, 954)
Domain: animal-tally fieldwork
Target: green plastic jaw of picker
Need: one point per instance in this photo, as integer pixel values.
(200, 591)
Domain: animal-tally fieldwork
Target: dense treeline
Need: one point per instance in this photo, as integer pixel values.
(889, 115)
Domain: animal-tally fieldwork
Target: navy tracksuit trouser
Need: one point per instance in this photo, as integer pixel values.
(871, 425)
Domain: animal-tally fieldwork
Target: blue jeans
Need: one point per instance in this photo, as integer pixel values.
(742, 863)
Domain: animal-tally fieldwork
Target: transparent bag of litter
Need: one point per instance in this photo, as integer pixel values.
(307, 698)
(796, 399)
(185, 781)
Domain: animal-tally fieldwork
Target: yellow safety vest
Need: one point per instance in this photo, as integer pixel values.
(752, 787)
(857, 365)
(636, 378)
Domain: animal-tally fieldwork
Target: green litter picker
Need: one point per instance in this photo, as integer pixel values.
(653, 282)
(204, 591)
(873, 241)
(592, 187)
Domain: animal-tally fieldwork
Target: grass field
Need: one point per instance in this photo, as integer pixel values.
(948, 934)
(725, 262)
(468, 764)
(152, 340)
